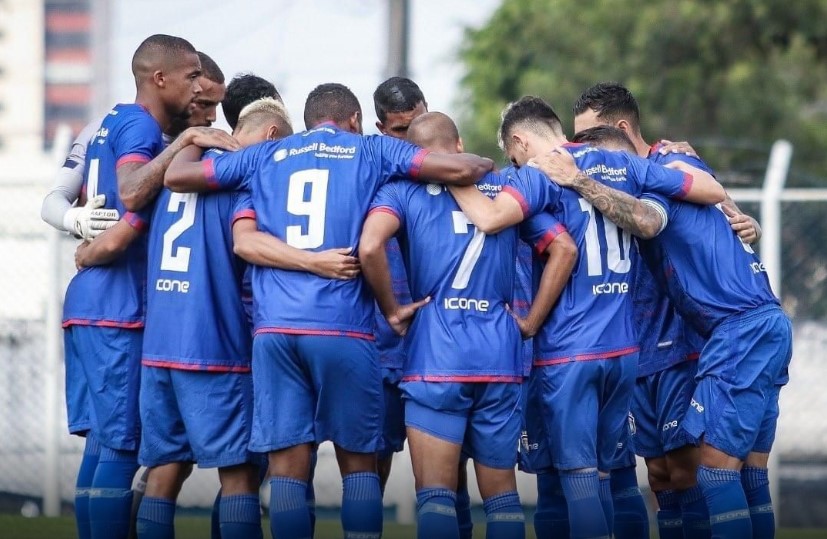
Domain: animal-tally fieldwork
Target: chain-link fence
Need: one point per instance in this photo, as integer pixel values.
(32, 266)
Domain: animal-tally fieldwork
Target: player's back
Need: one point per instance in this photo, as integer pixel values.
(195, 313)
(465, 333)
(127, 134)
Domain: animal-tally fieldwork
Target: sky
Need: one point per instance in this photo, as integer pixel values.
(300, 44)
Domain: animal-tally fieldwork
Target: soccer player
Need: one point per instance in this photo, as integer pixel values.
(669, 347)
(593, 322)
(733, 411)
(104, 331)
(398, 101)
(241, 91)
(315, 372)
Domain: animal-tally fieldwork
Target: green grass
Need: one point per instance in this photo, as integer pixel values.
(14, 527)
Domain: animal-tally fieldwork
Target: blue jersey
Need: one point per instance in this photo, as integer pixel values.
(465, 333)
(195, 311)
(705, 268)
(523, 294)
(127, 134)
(312, 190)
(391, 347)
(593, 318)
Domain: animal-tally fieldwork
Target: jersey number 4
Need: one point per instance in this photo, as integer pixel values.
(618, 244)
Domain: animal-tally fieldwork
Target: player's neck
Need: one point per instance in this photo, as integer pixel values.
(156, 110)
(641, 146)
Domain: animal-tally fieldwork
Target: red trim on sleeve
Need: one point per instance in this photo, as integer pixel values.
(654, 148)
(132, 158)
(385, 209)
(135, 221)
(518, 196)
(550, 235)
(416, 163)
(208, 167)
(243, 214)
(687, 185)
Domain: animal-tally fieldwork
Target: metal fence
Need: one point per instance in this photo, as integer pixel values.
(39, 460)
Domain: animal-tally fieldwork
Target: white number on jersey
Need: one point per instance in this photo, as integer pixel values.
(314, 207)
(618, 246)
(472, 252)
(180, 259)
(92, 179)
(747, 247)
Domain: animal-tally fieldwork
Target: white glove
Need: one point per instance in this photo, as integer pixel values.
(91, 220)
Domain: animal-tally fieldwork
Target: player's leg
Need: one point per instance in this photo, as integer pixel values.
(631, 518)
(682, 464)
(240, 512)
(283, 426)
(493, 431)
(156, 513)
(347, 383)
(393, 430)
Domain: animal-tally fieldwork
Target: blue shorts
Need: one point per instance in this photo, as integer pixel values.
(740, 372)
(311, 388)
(482, 417)
(534, 451)
(624, 456)
(193, 416)
(579, 413)
(78, 406)
(659, 405)
(393, 430)
(111, 363)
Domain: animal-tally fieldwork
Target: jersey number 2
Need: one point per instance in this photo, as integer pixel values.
(178, 259)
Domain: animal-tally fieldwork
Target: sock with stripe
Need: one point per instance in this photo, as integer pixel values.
(156, 517)
(504, 516)
(756, 486)
(606, 502)
(551, 519)
(631, 518)
(436, 514)
(670, 523)
(694, 514)
(86, 473)
(466, 525)
(582, 489)
(289, 517)
(726, 502)
(110, 499)
(362, 506)
(240, 517)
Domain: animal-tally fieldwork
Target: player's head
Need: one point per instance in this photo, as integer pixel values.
(243, 90)
(529, 125)
(333, 102)
(166, 70)
(212, 92)
(263, 119)
(436, 132)
(607, 103)
(605, 136)
(398, 101)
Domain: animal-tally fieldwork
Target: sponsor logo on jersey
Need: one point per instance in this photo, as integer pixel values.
(632, 425)
(697, 406)
(318, 149)
(466, 304)
(670, 425)
(433, 189)
(101, 134)
(758, 267)
(607, 173)
(280, 155)
(610, 288)
(172, 285)
(489, 189)
(526, 445)
(583, 151)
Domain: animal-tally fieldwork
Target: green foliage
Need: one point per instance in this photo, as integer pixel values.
(701, 69)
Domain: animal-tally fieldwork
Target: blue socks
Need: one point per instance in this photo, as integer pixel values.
(551, 519)
(631, 519)
(86, 473)
(756, 486)
(728, 510)
(694, 513)
(606, 502)
(504, 516)
(156, 517)
(215, 517)
(289, 516)
(466, 525)
(362, 506)
(582, 490)
(110, 500)
(670, 523)
(240, 517)
(436, 514)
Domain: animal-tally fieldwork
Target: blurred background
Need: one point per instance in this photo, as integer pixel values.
(744, 81)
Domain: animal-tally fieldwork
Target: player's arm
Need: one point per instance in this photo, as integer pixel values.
(704, 188)
(140, 182)
(111, 244)
(747, 228)
(380, 226)
(454, 169)
(488, 215)
(263, 249)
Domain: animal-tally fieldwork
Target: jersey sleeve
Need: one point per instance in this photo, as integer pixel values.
(532, 189)
(138, 140)
(388, 200)
(690, 160)
(395, 157)
(242, 207)
(230, 170)
(660, 204)
(654, 178)
(540, 230)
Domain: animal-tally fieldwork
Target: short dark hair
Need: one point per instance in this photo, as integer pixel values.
(330, 101)
(209, 69)
(611, 101)
(397, 94)
(157, 49)
(605, 135)
(243, 90)
(530, 112)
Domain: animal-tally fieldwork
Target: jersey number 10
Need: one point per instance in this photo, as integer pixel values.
(618, 244)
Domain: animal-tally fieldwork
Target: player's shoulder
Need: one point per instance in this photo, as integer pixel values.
(655, 156)
(131, 117)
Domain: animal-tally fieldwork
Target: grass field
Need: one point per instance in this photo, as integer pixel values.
(14, 527)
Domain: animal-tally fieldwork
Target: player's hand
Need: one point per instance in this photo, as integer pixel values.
(336, 264)
(401, 320)
(208, 137)
(90, 220)
(527, 330)
(79, 255)
(558, 165)
(677, 147)
(745, 226)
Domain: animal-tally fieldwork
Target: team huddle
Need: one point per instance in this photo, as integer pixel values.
(243, 298)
